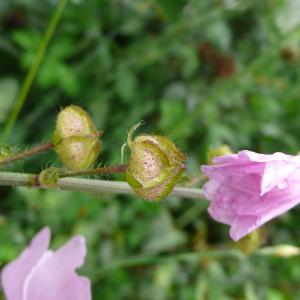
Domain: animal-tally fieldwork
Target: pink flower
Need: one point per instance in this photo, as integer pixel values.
(248, 189)
(42, 274)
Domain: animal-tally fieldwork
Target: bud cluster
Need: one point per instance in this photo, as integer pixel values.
(154, 165)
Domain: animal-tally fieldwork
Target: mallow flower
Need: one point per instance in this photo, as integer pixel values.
(248, 189)
(42, 274)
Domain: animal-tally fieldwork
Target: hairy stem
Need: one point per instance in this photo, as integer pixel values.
(30, 152)
(90, 185)
(33, 70)
(97, 171)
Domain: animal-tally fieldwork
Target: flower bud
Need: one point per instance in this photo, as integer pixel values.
(5, 151)
(219, 151)
(76, 139)
(48, 177)
(155, 165)
(283, 250)
(78, 153)
(251, 242)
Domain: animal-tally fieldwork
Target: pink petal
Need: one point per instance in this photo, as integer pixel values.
(248, 189)
(251, 171)
(234, 175)
(273, 204)
(55, 277)
(279, 200)
(245, 156)
(226, 204)
(274, 173)
(14, 274)
(243, 225)
(225, 159)
(278, 156)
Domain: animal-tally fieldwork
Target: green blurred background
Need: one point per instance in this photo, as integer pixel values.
(201, 72)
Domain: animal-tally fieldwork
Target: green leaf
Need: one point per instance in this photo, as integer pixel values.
(8, 93)
(171, 8)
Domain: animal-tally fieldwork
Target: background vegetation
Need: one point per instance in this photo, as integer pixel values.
(202, 72)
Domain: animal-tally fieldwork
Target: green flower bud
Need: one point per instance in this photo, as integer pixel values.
(76, 139)
(78, 153)
(219, 151)
(48, 177)
(5, 151)
(251, 242)
(155, 165)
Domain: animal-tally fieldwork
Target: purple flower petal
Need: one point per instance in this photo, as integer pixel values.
(248, 189)
(41, 274)
(14, 274)
(274, 173)
(56, 275)
(243, 225)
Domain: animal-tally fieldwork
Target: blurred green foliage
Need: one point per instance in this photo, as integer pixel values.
(202, 72)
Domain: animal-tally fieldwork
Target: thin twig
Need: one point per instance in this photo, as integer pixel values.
(30, 152)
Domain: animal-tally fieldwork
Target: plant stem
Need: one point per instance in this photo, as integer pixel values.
(97, 171)
(194, 257)
(141, 260)
(91, 185)
(33, 70)
(35, 150)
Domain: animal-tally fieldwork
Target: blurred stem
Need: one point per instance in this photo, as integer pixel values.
(97, 171)
(141, 260)
(30, 152)
(194, 257)
(90, 185)
(33, 70)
